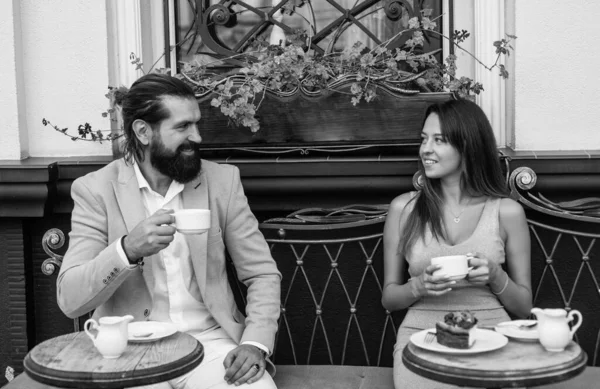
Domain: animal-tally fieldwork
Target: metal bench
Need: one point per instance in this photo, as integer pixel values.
(333, 327)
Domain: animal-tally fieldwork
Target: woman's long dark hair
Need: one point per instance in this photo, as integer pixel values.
(144, 101)
(466, 127)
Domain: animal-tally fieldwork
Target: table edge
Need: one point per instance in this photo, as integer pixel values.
(489, 379)
(140, 377)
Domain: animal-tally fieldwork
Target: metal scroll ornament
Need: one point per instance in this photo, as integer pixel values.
(523, 179)
(53, 239)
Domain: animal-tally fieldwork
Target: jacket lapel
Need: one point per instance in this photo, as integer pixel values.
(195, 195)
(129, 198)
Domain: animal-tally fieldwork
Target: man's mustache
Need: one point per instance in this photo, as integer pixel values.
(189, 146)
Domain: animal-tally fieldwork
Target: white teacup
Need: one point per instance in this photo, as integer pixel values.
(454, 266)
(192, 221)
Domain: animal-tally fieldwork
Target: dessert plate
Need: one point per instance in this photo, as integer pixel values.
(149, 331)
(485, 340)
(519, 330)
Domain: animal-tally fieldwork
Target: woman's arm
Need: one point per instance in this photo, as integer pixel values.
(516, 297)
(398, 294)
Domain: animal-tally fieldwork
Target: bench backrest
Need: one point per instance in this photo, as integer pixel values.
(333, 272)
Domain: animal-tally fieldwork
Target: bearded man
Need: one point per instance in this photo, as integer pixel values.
(126, 257)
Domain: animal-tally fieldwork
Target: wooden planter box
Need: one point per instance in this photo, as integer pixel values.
(328, 121)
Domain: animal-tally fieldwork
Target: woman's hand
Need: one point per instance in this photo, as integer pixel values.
(484, 271)
(428, 284)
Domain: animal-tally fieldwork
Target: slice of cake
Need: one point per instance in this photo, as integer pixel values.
(457, 330)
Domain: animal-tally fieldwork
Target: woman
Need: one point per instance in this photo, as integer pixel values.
(462, 208)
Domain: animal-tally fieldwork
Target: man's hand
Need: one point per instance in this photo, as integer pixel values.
(244, 364)
(150, 236)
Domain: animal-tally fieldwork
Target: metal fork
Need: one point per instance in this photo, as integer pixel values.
(430, 337)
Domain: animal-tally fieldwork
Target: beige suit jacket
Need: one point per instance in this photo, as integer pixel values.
(108, 205)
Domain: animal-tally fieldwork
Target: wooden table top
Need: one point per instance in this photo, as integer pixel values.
(518, 364)
(72, 361)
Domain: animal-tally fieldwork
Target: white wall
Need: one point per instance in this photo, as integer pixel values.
(65, 66)
(55, 66)
(557, 79)
(13, 139)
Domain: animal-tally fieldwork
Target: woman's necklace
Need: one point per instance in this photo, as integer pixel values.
(457, 217)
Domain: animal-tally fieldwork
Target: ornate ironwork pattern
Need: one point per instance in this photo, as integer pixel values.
(563, 271)
(331, 290)
(53, 239)
(210, 17)
(524, 179)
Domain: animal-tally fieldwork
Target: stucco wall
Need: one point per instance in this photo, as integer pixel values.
(557, 81)
(66, 71)
(12, 125)
(65, 75)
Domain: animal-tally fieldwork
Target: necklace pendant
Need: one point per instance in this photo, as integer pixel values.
(456, 219)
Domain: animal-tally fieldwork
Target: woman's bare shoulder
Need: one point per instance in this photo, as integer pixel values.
(511, 209)
(401, 202)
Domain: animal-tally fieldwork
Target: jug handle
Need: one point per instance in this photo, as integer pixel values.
(570, 318)
(94, 326)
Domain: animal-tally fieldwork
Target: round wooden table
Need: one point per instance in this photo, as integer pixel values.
(518, 364)
(72, 361)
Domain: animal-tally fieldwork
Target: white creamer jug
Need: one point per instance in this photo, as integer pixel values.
(111, 339)
(553, 327)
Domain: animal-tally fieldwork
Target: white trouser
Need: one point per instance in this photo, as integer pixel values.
(210, 373)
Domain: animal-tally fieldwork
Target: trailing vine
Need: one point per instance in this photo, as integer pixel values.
(290, 69)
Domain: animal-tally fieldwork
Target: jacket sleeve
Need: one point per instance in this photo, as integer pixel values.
(255, 267)
(92, 269)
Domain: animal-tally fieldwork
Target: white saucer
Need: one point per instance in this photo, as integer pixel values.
(157, 330)
(192, 232)
(485, 340)
(512, 330)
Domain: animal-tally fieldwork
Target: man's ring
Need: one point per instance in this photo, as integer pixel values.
(256, 366)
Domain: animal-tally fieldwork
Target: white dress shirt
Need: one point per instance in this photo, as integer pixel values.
(176, 294)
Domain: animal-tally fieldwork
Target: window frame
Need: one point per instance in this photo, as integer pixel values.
(486, 20)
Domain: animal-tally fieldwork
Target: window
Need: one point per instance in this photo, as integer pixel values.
(166, 21)
(206, 30)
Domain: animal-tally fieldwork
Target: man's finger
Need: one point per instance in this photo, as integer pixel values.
(237, 370)
(229, 358)
(163, 211)
(162, 219)
(251, 372)
(165, 230)
(259, 373)
(232, 373)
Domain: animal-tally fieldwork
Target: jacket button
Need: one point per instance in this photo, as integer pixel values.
(146, 312)
(104, 280)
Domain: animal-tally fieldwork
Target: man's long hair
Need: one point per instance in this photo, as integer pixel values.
(466, 127)
(143, 100)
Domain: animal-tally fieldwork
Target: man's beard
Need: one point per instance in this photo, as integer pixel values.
(180, 167)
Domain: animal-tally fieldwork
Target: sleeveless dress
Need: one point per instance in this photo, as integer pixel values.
(480, 300)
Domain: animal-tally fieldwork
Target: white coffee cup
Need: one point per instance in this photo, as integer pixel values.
(454, 266)
(192, 221)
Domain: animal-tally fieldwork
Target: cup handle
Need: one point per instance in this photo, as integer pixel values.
(570, 318)
(94, 326)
